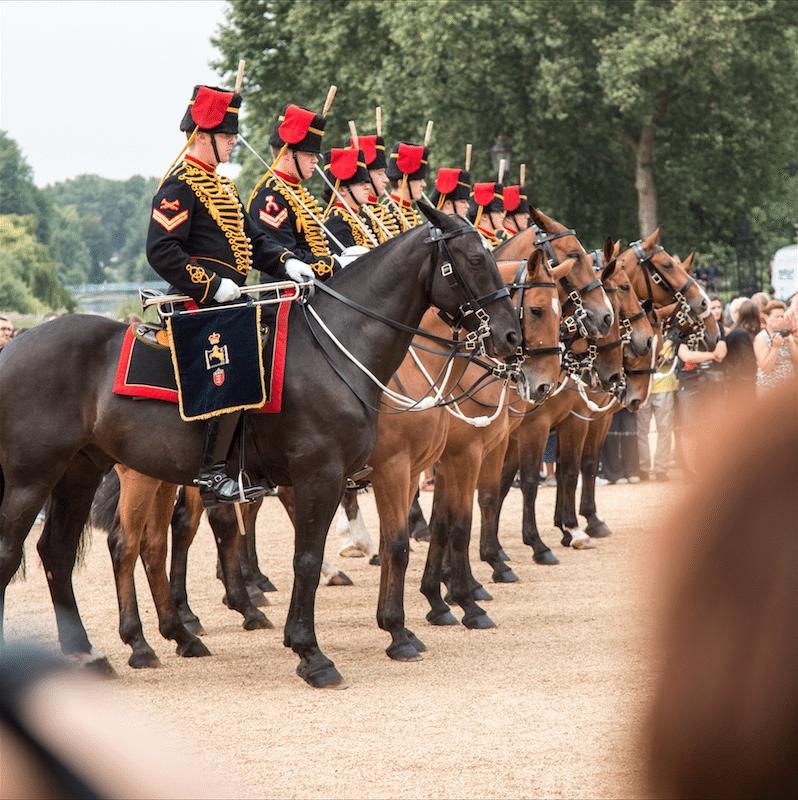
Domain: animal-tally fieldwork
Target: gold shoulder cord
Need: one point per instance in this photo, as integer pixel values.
(380, 212)
(218, 195)
(357, 232)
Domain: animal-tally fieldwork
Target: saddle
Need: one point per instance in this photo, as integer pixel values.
(226, 362)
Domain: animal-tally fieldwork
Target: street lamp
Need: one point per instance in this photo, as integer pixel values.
(501, 150)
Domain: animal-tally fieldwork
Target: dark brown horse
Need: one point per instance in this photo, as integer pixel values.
(62, 428)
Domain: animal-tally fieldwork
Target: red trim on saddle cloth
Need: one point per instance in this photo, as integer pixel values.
(274, 388)
(121, 385)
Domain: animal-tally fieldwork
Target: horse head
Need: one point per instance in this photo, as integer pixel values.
(464, 281)
(663, 279)
(535, 290)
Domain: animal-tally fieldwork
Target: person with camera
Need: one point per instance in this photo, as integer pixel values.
(775, 348)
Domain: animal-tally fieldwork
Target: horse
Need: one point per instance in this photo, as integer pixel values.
(58, 438)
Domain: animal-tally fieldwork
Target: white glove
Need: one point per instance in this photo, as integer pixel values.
(349, 254)
(298, 270)
(228, 290)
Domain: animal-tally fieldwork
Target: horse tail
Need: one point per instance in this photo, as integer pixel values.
(106, 502)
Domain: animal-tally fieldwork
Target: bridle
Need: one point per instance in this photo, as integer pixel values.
(521, 283)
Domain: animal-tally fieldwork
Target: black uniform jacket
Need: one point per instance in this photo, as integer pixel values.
(199, 233)
(277, 213)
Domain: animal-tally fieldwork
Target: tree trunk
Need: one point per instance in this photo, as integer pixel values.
(644, 182)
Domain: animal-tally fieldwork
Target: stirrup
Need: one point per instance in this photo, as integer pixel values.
(217, 486)
(358, 480)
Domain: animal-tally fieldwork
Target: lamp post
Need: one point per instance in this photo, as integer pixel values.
(501, 150)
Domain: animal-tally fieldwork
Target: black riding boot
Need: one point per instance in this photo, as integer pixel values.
(215, 485)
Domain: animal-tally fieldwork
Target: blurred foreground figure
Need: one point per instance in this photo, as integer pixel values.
(724, 722)
(66, 735)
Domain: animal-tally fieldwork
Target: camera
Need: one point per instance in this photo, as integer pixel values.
(783, 332)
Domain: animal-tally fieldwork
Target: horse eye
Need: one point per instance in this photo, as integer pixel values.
(536, 311)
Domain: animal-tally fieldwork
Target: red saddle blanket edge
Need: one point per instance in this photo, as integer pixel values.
(274, 388)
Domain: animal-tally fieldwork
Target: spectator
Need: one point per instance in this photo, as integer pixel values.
(740, 360)
(662, 407)
(761, 299)
(727, 310)
(6, 331)
(775, 349)
(712, 272)
(619, 457)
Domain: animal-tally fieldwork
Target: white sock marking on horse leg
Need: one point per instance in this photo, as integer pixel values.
(360, 534)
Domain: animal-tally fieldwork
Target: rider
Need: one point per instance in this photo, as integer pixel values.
(203, 243)
(486, 210)
(406, 170)
(516, 212)
(346, 170)
(452, 188)
(379, 222)
(280, 206)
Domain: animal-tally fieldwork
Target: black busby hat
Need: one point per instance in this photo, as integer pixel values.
(451, 184)
(373, 148)
(485, 197)
(346, 165)
(298, 128)
(407, 159)
(212, 110)
(515, 200)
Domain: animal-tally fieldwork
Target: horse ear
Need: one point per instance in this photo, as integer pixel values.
(688, 262)
(616, 249)
(539, 218)
(652, 240)
(433, 215)
(606, 273)
(535, 261)
(607, 253)
(561, 270)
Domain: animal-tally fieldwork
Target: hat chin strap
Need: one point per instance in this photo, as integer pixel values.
(215, 151)
(299, 172)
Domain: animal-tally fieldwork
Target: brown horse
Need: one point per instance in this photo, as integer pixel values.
(59, 437)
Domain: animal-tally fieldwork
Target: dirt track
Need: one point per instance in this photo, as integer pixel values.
(548, 704)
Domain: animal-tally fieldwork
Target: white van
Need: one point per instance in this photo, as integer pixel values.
(784, 272)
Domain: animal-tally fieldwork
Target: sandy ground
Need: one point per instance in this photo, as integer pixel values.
(549, 704)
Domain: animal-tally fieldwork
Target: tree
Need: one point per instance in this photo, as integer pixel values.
(28, 262)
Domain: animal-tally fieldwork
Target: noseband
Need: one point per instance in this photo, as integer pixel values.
(517, 287)
(471, 311)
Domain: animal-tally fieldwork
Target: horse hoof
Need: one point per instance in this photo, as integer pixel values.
(257, 597)
(403, 652)
(351, 552)
(421, 535)
(503, 556)
(480, 593)
(193, 649)
(100, 668)
(193, 626)
(442, 618)
(144, 660)
(600, 531)
(546, 558)
(323, 678)
(257, 622)
(583, 544)
(339, 579)
(265, 585)
(504, 576)
(478, 622)
(415, 641)
(374, 561)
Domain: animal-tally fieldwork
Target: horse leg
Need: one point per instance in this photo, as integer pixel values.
(439, 613)
(136, 497)
(596, 433)
(488, 493)
(531, 444)
(393, 496)
(186, 516)
(355, 539)
(419, 529)
(153, 556)
(570, 439)
(256, 578)
(249, 513)
(314, 508)
(67, 511)
(223, 522)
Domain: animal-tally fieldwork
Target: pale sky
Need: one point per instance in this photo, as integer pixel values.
(99, 87)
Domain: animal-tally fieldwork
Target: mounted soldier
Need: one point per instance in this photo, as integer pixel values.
(407, 168)
(452, 190)
(202, 242)
(486, 210)
(380, 223)
(281, 207)
(348, 193)
(516, 209)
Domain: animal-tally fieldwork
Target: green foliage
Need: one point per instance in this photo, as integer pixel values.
(573, 86)
(27, 262)
(18, 193)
